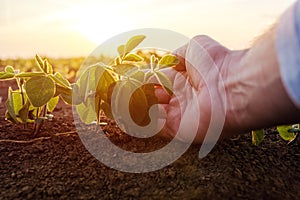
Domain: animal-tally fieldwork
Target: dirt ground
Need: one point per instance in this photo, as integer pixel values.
(56, 165)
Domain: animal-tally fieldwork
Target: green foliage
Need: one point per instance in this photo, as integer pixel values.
(131, 72)
(133, 43)
(8, 73)
(11, 105)
(128, 74)
(40, 90)
(287, 132)
(168, 61)
(37, 94)
(257, 137)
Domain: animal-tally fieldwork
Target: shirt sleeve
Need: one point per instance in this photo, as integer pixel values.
(288, 51)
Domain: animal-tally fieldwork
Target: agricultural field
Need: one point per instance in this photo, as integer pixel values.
(149, 100)
(50, 161)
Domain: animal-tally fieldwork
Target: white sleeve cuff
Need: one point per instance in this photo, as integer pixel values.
(288, 51)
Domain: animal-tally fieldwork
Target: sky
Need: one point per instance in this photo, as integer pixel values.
(68, 28)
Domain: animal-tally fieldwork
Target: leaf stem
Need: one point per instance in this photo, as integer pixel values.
(20, 82)
(35, 127)
(44, 113)
(99, 110)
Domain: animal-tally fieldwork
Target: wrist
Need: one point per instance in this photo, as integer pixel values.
(256, 97)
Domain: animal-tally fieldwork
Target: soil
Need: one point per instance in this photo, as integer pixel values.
(56, 165)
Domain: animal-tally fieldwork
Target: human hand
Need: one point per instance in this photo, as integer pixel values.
(199, 91)
(235, 91)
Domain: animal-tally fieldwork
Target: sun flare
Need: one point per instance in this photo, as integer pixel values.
(97, 23)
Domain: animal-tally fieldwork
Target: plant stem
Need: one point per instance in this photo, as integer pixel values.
(39, 126)
(35, 127)
(21, 90)
(20, 84)
(99, 104)
(45, 110)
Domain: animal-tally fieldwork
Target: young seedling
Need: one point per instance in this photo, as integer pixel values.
(39, 91)
(287, 132)
(129, 72)
(37, 94)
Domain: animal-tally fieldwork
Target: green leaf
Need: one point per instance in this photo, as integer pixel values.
(168, 61)
(125, 69)
(103, 84)
(9, 69)
(67, 98)
(29, 74)
(153, 62)
(40, 63)
(106, 109)
(110, 90)
(164, 81)
(62, 90)
(48, 67)
(87, 111)
(96, 79)
(83, 84)
(149, 91)
(149, 75)
(285, 134)
(138, 76)
(6, 75)
(52, 104)
(59, 79)
(76, 97)
(40, 89)
(257, 137)
(87, 81)
(17, 101)
(117, 61)
(121, 50)
(65, 93)
(138, 105)
(10, 118)
(23, 112)
(11, 114)
(133, 42)
(133, 57)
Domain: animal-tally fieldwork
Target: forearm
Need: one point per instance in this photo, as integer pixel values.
(257, 97)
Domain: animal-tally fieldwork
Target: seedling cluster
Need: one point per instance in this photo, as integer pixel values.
(39, 91)
(37, 94)
(287, 132)
(129, 71)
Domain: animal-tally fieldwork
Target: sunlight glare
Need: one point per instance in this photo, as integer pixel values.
(98, 23)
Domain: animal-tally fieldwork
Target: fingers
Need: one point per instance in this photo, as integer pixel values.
(169, 116)
(180, 53)
(162, 96)
(210, 45)
(203, 55)
(199, 65)
(213, 48)
(180, 85)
